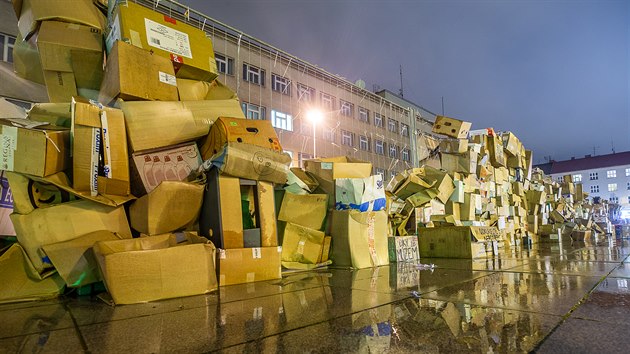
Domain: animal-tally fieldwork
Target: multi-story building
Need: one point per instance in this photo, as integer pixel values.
(605, 176)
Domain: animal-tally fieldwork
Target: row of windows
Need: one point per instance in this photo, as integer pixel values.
(594, 176)
(256, 75)
(612, 187)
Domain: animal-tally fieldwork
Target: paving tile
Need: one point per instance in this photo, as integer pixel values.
(490, 264)
(622, 270)
(609, 302)
(560, 266)
(29, 320)
(577, 336)
(56, 341)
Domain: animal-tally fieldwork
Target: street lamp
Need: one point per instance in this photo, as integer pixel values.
(314, 115)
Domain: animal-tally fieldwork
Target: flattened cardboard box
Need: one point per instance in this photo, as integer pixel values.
(158, 267)
(40, 150)
(187, 47)
(65, 222)
(159, 124)
(359, 240)
(301, 244)
(246, 265)
(306, 210)
(458, 241)
(136, 74)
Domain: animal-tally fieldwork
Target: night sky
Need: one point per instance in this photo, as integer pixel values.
(556, 73)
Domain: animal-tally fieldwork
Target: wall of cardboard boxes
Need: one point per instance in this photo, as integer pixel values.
(143, 173)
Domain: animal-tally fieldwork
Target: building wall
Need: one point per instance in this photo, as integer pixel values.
(602, 182)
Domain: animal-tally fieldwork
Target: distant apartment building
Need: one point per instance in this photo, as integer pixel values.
(605, 176)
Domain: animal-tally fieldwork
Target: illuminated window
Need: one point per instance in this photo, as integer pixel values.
(253, 111)
(627, 172)
(593, 176)
(577, 178)
(612, 187)
(281, 120)
(611, 173)
(364, 143)
(253, 75)
(281, 84)
(225, 64)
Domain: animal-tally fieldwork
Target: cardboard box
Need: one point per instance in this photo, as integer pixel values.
(60, 86)
(227, 200)
(451, 127)
(363, 194)
(251, 162)
(136, 74)
(443, 183)
(74, 259)
(246, 265)
(21, 281)
(359, 240)
(170, 207)
(26, 62)
(495, 149)
(237, 130)
(325, 256)
(465, 163)
(326, 170)
(403, 248)
(65, 222)
(73, 48)
(187, 47)
(454, 146)
(175, 163)
(159, 124)
(306, 210)
(99, 132)
(33, 148)
(6, 207)
(159, 267)
(511, 143)
(194, 90)
(458, 241)
(581, 235)
(31, 12)
(302, 244)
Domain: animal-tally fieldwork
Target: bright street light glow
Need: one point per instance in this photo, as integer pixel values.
(314, 115)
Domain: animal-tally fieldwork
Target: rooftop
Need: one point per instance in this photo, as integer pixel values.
(589, 162)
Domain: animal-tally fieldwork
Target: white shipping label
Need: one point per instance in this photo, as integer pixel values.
(8, 145)
(256, 253)
(258, 313)
(167, 78)
(168, 39)
(96, 148)
(300, 246)
(326, 165)
(107, 169)
(222, 254)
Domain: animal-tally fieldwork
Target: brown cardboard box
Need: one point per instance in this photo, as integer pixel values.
(171, 206)
(193, 90)
(464, 163)
(98, 131)
(457, 241)
(325, 250)
(326, 170)
(581, 235)
(158, 267)
(451, 127)
(152, 125)
(68, 47)
(301, 244)
(443, 183)
(454, 146)
(495, 148)
(306, 210)
(174, 163)
(246, 265)
(31, 12)
(511, 143)
(33, 148)
(134, 74)
(65, 222)
(187, 47)
(237, 130)
(60, 86)
(252, 162)
(359, 240)
(26, 62)
(74, 259)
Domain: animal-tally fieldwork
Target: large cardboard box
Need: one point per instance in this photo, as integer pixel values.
(246, 265)
(74, 259)
(306, 210)
(171, 206)
(68, 47)
(194, 90)
(237, 130)
(451, 127)
(465, 163)
(136, 74)
(158, 267)
(33, 148)
(175, 163)
(359, 240)
(302, 244)
(403, 248)
(326, 170)
(495, 149)
(99, 132)
(152, 125)
(60, 86)
(187, 47)
(26, 62)
(458, 241)
(65, 222)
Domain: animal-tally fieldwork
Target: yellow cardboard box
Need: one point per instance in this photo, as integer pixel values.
(246, 265)
(359, 239)
(301, 244)
(451, 127)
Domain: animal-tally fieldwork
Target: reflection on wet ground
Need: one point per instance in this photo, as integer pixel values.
(547, 298)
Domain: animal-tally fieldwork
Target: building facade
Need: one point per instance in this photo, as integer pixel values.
(605, 176)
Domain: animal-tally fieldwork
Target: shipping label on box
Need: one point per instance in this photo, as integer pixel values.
(403, 248)
(246, 265)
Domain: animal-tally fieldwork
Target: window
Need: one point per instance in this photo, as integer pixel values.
(594, 189)
(393, 151)
(577, 178)
(329, 134)
(611, 173)
(6, 47)
(281, 84)
(306, 127)
(253, 111)
(347, 108)
(392, 125)
(328, 101)
(612, 187)
(593, 176)
(379, 171)
(305, 93)
(614, 199)
(253, 74)
(281, 120)
(347, 138)
(225, 64)
(364, 143)
(378, 120)
(379, 147)
(627, 172)
(303, 157)
(404, 129)
(364, 115)
(559, 178)
(628, 186)
(404, 155)
(629, 199)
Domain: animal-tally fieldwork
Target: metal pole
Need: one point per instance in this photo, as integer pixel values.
(314, 145)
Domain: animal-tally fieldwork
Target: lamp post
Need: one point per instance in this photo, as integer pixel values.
(314, 116)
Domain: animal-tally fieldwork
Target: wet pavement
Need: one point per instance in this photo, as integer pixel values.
(550, 298)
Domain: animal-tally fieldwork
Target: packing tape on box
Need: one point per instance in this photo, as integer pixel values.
(256, 253)
(251, 277)
(96, 147)
(370, 232)
(107, 169)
